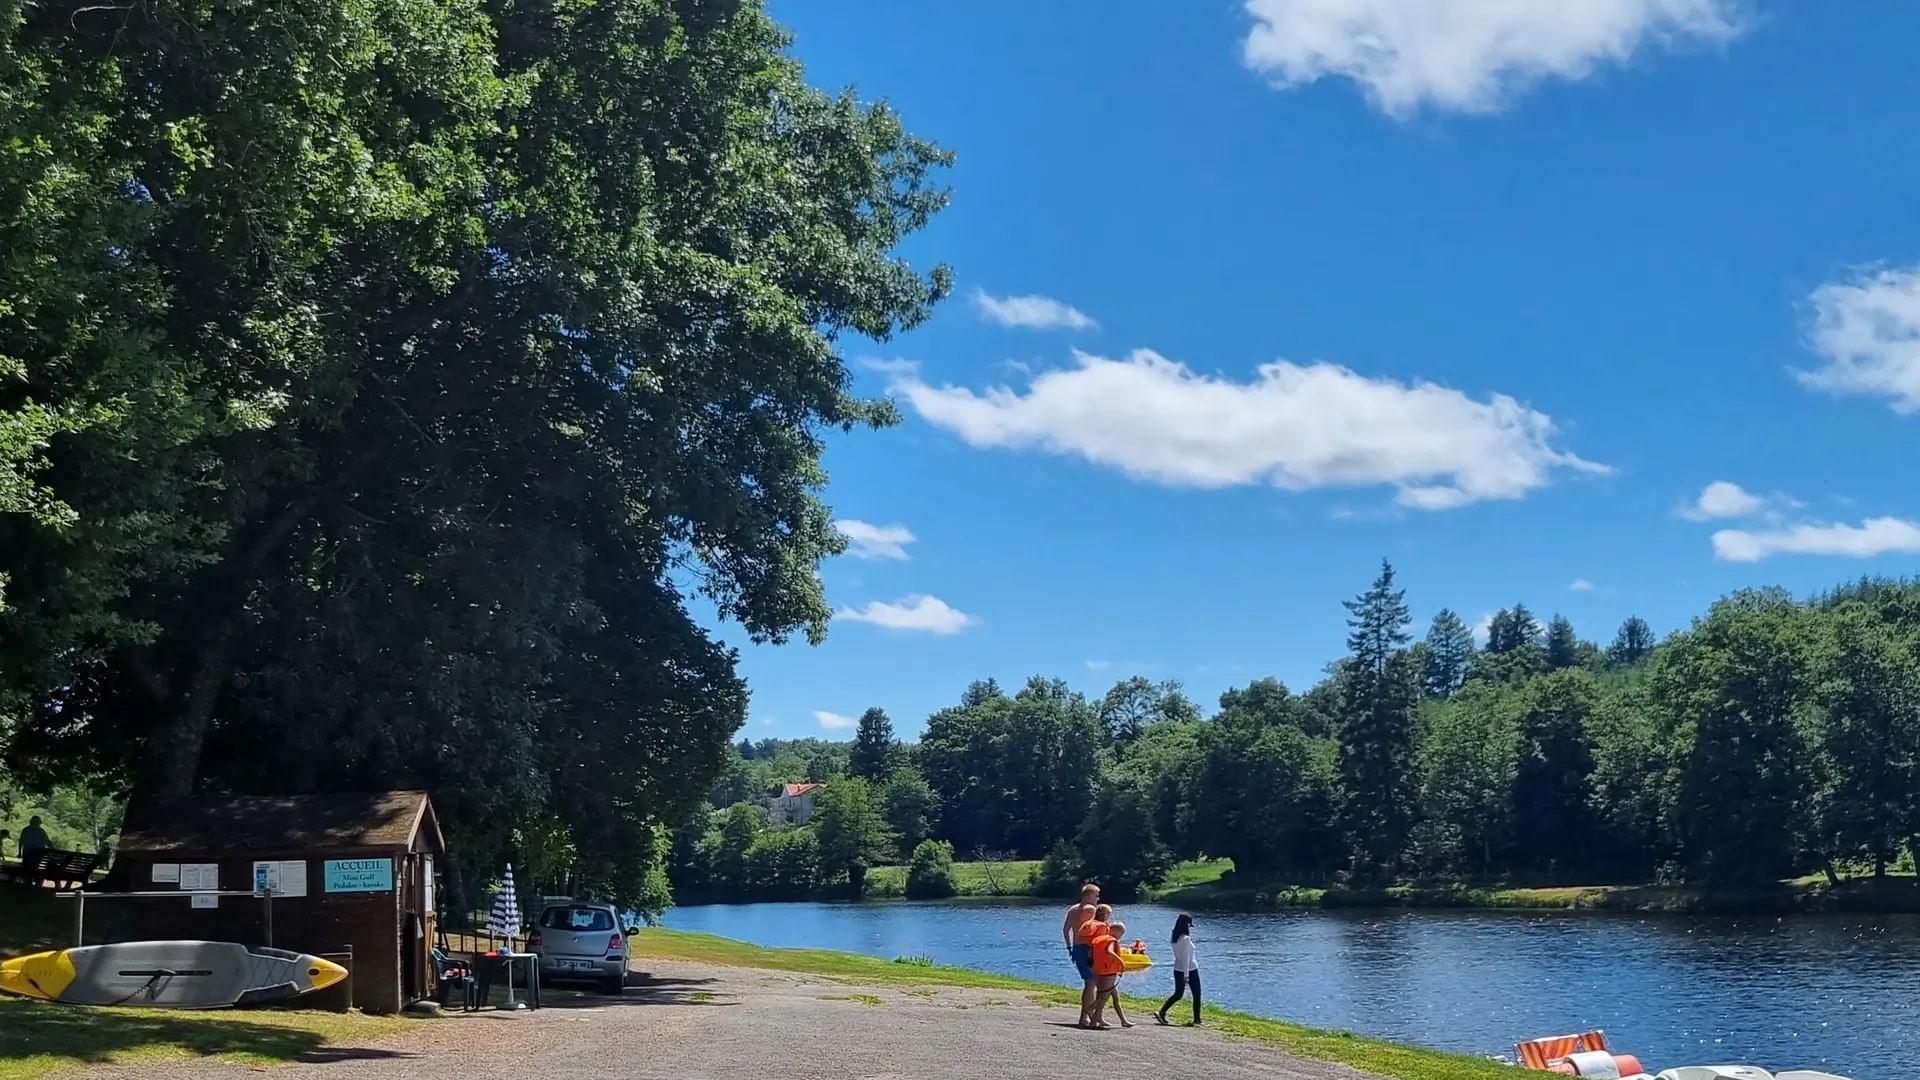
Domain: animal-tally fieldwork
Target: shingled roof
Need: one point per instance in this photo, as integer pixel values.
(289, 823)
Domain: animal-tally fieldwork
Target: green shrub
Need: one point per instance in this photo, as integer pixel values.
(783, 864)
(1061, 873)
(930, 874)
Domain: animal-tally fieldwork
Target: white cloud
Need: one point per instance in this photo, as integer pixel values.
(1869, 331)
(1465, 55)
(1032, 312)
(890, 365)
(1580, 585)
(1484, 628)
(927, 613)
(865, 541)
(833, 721)
(1099, 665)
(1723, 499)
(1875, 536)
(1295, 427)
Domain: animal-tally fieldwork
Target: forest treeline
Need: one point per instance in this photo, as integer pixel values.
(1772, 738)
(378, 383)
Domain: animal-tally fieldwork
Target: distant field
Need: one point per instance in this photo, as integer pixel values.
(1012, 878)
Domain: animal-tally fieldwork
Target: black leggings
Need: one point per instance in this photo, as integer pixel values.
(1182, 980)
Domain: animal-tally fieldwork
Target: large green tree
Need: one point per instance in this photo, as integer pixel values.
(911, 807)
(1013, 773)
(1133, 704)
(1562, 649)
(852, 832)
(1448, 656)
(439, 351)
(1631, 644)
(1262, 791)
(1118, 844)
(1468, 752)
(873, 746)
(1377, 728)
(1554, 826)
(1867, 687)
(1734, 689)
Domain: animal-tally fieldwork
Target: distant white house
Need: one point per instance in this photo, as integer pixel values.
(793, 804)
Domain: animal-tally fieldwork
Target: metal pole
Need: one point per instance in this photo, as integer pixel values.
(266, 901)
(513, 1004)
(79, 919)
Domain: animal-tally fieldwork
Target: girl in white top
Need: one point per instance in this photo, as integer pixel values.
(1186, 973)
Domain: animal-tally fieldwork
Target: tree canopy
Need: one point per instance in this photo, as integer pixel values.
(378, 383)
(1771, 738)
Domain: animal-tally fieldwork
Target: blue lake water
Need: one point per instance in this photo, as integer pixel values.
(1834, 993)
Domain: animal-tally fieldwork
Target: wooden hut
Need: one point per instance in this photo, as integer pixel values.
(346, 872)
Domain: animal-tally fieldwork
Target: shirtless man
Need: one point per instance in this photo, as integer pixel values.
(1082, 951)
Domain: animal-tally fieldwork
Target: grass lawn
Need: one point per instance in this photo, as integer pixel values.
(1368, 1055)
(37, 1038)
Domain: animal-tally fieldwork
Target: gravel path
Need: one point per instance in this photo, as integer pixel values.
(689, 1022)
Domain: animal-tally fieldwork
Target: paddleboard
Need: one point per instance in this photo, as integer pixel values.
(168, 974)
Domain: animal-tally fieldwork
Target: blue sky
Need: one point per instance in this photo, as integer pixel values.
(1607, 306)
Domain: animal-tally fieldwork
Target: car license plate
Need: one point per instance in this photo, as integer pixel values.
(575, 965)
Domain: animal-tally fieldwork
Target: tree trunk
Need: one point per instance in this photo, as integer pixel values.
(1826, 864)
(170, 761)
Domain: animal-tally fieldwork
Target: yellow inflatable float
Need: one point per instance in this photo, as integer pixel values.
(1135, 956)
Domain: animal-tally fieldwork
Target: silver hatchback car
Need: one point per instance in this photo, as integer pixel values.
(581, 942)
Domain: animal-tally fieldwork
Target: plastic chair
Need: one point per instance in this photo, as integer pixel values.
(451, 974)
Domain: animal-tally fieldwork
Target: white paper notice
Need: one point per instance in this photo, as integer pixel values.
(205, 900)
(293, 878)
(200, 877)
(166, 873)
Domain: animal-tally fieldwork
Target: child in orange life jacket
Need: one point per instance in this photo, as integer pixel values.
(1107, 969)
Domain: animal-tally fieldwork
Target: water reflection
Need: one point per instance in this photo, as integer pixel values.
(1836, 993)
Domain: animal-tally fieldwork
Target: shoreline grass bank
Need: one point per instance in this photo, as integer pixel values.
(1375, 1056)
(1212, 886)
(1890, 896)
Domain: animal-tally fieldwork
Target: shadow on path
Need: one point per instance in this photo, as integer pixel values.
(642, 989)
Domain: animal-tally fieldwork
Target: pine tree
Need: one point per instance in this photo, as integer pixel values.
(981, 691)
(1632, 644)
(1563, 646)
(1511, 629)
(873, 746)
(1376, 729)
(1500, 632)
(1448, 655)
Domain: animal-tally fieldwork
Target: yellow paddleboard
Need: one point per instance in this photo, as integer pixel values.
(168, 974)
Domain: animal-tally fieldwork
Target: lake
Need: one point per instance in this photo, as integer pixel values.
(1835, 993)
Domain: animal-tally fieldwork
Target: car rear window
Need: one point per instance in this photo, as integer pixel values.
(576, 918)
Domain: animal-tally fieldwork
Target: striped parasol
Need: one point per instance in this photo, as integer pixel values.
(504, 919)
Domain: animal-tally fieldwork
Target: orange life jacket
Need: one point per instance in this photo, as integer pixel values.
(1089, 930)
(1106, 955)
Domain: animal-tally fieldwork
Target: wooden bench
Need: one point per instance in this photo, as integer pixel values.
(65, 869)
